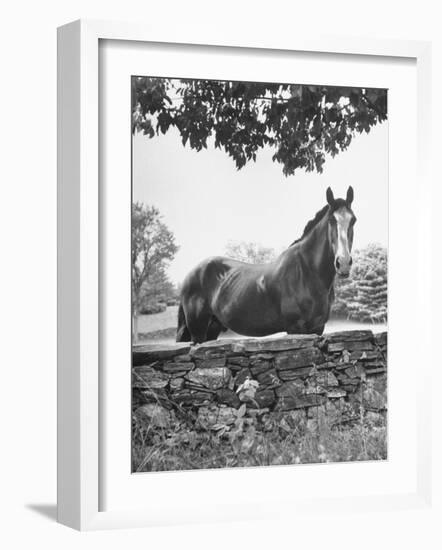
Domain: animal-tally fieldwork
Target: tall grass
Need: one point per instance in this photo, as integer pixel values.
(259, 439)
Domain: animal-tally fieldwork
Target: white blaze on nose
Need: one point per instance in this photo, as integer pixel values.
(343, 218)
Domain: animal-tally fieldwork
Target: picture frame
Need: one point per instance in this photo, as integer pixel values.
(80, 362)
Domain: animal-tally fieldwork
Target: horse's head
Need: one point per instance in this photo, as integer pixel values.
(341, 220)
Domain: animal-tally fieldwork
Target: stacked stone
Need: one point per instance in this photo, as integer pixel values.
(291, 373)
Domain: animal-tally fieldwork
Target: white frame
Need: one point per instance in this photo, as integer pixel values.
(78, 257)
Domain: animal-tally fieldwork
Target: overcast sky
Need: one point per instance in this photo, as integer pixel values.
(206, 202)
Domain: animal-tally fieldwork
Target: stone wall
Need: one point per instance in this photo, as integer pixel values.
(343, 374)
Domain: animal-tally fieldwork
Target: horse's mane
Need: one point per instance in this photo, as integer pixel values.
(312, 223)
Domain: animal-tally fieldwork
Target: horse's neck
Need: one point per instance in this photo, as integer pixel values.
(317, 253)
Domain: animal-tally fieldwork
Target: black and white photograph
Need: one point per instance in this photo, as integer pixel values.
(259, 267)
(222, 228)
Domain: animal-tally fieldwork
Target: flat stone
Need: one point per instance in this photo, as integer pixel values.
(186, 358)
(349, 388)
(146, 354)
(178, 374)
(269, 378)
(239, 361)
(293, 388)
(153, 415)
(176, 384)
(289, 342)
(208, 349)
(349, 336)
(355, 371)
(265, 398)
(259, 367)
(321, 382)
(326, 379)
(370, 365)
(364, 355)
(211, 362)
(258, 357)
(148, 377)
(295, 373)
(381, 338)
(343, 366)
(173, 367)
(299, 402)
(298, 359)
(326, 365)
(336, 393)
(313, 389)
(192, 398)
(380, 370)
(228, 397)
(213, 378)
(357, 345)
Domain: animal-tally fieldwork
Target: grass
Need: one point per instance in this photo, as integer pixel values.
(260, 440)
(161, 327)
(158, 321)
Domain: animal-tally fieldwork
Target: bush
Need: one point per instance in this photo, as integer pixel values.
(363, 297)
(153, 307)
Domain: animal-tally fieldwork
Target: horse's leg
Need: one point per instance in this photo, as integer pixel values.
(214, 330)
(182, 333)
(198, 317)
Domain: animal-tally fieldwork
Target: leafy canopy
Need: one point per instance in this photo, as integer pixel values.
(301, 123)
(250, 252)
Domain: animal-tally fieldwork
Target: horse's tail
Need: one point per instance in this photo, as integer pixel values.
(182, 332)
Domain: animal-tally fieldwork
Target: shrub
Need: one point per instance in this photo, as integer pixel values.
(153, 307)
(363, 297)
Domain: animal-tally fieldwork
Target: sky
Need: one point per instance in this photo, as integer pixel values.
(207, 202)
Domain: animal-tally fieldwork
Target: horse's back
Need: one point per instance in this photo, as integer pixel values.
(206, 276)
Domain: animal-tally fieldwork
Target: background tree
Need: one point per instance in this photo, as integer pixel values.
(301, 123)
(363, 297)
(157, 292)
(153, 246)
(249, 252)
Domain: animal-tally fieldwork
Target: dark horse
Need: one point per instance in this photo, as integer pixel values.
(293, 294)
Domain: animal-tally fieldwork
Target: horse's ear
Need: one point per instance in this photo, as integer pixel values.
(350, 195)
(330, 197)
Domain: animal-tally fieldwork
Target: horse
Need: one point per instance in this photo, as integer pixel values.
(292, 294)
